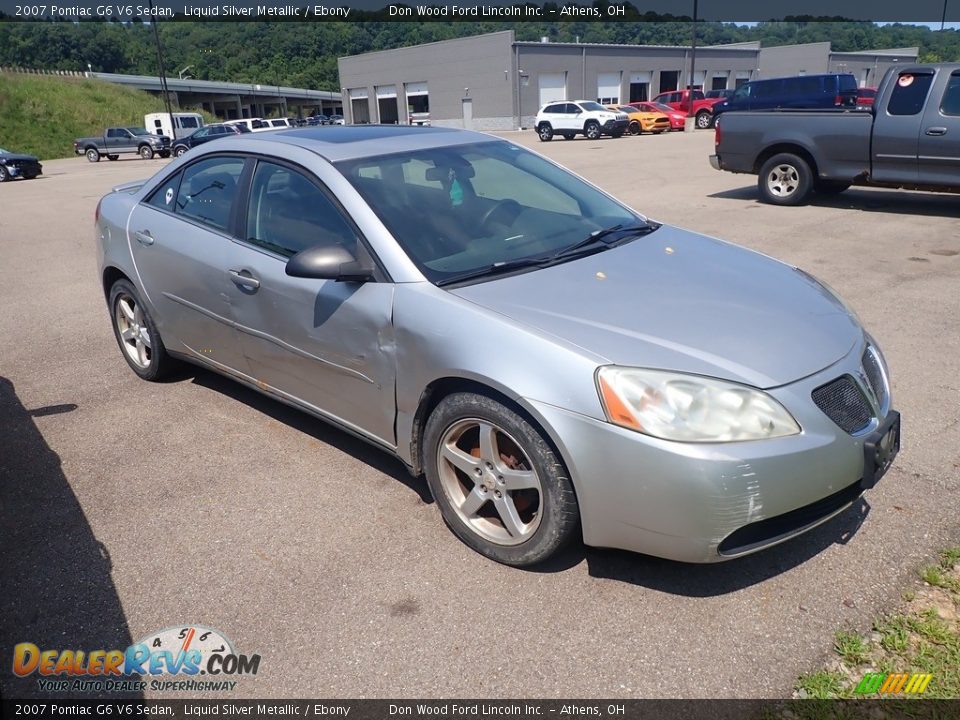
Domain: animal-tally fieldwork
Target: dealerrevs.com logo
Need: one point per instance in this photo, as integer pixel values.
(182, 654)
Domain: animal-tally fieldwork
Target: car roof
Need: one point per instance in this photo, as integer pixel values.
(350, 142)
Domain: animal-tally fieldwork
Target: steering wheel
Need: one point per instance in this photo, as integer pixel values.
(503, 211)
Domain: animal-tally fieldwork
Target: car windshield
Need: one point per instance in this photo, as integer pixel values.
(457, 210)
(138, 131)
(592, 106)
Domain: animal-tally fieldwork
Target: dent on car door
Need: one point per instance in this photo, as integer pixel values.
(939, 150)
(327, 344)
(180, 242)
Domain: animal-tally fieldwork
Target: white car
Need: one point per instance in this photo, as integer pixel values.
(579, 117)
(252, 124)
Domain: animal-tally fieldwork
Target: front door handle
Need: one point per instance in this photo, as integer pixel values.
(936, 131)
(143, 237)
(243, 277)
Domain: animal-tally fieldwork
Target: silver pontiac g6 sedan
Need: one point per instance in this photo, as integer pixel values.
(554, 362)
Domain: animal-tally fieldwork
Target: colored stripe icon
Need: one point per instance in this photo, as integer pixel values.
(893, 683)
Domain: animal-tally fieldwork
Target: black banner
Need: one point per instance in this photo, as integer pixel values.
(489, 709)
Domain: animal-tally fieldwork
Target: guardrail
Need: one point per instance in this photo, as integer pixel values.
(33, 71)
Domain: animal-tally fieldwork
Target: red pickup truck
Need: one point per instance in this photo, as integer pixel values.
(702, 106)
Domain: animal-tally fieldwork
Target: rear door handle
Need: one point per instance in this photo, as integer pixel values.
(936, 131)
(143, 237)
(247, 280)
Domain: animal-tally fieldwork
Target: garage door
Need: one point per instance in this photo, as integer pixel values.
(553, 87)
(608, 88)
(387, 104)
(359, 108)
(640, 86)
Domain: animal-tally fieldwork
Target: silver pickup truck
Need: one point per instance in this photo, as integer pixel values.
(909, 139)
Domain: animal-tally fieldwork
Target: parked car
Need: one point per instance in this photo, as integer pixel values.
(17, 165)
(677, 118)
(579, 117)
(865, 97)
(252, 124)
(117, 141)
(318, 120)
(640, 121)
(336, 120)
(510, 331)
(803, 91)
(206, 134)
(911, 140)
(701, 108)
(721, 94)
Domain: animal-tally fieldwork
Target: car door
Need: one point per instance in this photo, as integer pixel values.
(181, 241)
(326, 344)
(896, 127)
(117, 141)
(939, 146)
(200, 136)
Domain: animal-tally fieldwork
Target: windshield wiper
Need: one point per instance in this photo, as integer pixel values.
(596, 240)
(496, 268)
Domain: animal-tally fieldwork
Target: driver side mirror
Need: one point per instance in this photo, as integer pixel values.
(328, 262)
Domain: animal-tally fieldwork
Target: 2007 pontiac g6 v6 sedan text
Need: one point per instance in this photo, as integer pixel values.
(551, 360)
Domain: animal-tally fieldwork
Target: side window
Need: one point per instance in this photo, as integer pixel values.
(553, 109)
(208, 190)
(112, 133)
(164, 195)
(289, 213)
(950, 104)
(572, 109)
(909, 94)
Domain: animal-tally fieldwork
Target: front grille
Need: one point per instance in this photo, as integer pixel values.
(871, 366)
(843, 403)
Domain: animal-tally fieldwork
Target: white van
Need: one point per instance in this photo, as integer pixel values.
(253, 124)
(183, 124)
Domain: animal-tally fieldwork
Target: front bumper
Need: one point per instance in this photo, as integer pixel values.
(612, 126)
(707, 502)
(28, 170)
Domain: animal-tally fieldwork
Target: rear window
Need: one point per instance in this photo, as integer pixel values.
(909, 94)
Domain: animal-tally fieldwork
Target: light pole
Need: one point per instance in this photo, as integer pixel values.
(693, 66)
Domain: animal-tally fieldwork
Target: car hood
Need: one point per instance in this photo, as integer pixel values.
(17, 157)
(681, 301)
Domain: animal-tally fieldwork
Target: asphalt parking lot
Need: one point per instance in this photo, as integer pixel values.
(128, 507)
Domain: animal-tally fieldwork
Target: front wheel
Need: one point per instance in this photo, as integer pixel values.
(93, 155)
(634, 128)
(179, 150)
(592, 130)
(146, 152)
(499, 485)
(785, 179)
(545, 132)
(136, 333)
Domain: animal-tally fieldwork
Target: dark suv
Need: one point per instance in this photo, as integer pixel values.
(206, 134)
(802, 91)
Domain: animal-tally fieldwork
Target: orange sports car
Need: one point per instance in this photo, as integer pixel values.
(641, 121)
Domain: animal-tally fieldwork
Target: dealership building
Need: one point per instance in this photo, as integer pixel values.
(495, 82)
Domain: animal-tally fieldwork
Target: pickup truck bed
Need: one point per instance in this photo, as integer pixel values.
(909, 139)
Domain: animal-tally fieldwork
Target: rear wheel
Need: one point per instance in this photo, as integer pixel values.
(545, 132)
(497, 482)
(136, 334)
(93, 155)
(785, 179)
(146, 152)
(592, 130)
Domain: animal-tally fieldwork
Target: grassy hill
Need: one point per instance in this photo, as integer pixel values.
(43, 114)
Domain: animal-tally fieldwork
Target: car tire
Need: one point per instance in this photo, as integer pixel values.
(93, 155)
(474, 449)
(592, 130)
(703, 120)
(137, 335)
(569, 136)
(545, 132)
(113, 157)
(4, 174)
(785, 179)
(634, 128)
(179, 150)
(830, 187)
(145, 152)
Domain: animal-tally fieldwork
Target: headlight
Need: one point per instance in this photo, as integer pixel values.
(690, 408)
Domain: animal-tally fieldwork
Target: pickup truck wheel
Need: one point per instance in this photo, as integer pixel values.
(830, 187)
(113, 157)
(785, 179)
(93, 155)
(592, 130)
(146, 152)
(703, 120)
(545, 132)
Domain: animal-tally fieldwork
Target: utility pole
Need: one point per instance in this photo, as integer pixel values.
(943, 18)
(163, 72)
(693, 59)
